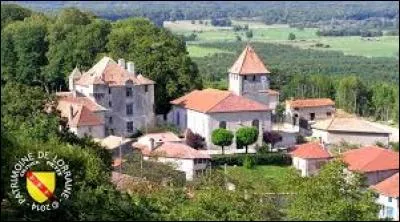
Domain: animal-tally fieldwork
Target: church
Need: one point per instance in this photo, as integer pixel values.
(248, 102)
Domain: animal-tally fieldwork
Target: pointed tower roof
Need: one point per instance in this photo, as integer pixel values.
(249, 63)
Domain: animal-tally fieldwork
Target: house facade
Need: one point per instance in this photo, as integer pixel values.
(309, 109)
(203, 111)
(168, 148)
(375, 163)
(388, 199)
(126, 97)
(308, 158)
(352, 130)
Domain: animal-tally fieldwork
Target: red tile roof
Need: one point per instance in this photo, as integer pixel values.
(214, 101)
(371, 158)
(83, 111)
(248, 63)
(302, 103)
(388, 187)
(312, 150)
(107, 71)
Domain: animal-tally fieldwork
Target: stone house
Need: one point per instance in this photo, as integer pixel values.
(309, 109)
(168, 148)
(388, 199)
(376, 163)
(309, 158)
(352, 130)
(126, 98)
(203, 111)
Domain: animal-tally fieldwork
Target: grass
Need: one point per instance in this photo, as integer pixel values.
(198, 51)
(263, 179)
(387, 46)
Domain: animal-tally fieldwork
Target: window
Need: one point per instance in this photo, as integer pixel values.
(312, 116)
(146, 88)
(109, 90)
(389, 199)
(222, 124)
(255, 123)
(111, 131)
(389, 212)
(254, 78)
(90, 129)
(297, 109)
(245, 77)
(328, 114)
(110, 120)
(128, 91)
(129, 109)
(109, 103)
(129, 127)
(177, 119)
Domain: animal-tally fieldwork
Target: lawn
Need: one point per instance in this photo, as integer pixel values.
(198, 51)
(263, 179)
(386, 46)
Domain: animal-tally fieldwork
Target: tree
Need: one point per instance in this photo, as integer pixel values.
(271, 137)
(194, 140)
(222, 137)
(13, 12)
(249, 34)
(159, 55)
(246, 136)
(291, 36)
(329, 196)
(238, 38)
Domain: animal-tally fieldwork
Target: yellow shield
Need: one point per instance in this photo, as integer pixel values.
(46, 179)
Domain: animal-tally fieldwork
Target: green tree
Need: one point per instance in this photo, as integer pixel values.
(353, 96)
(291, 36)
(13, 12)
(246, 136)
(221, 137)
(159, 55)
(383, 99)
(249, 34)
(329, 196)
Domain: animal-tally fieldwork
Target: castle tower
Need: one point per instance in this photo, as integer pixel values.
(249, 77)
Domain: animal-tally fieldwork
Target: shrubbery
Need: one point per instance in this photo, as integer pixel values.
(259, 159)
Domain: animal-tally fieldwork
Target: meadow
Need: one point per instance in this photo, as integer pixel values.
(385, 46)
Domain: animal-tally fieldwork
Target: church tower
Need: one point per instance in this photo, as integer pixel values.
(249, 77)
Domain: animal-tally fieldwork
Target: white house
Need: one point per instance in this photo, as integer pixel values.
(350, 129)
(309, 158)
(388, 198)
(166, 148)
(376, 163)
(202, 111)
(125, 97)
(309, 109)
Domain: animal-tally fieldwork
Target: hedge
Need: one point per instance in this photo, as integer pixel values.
(260, 159)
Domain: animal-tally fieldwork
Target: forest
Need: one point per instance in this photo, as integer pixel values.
(270, 12)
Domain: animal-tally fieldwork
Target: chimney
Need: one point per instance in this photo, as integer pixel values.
(130, 66)
(121, 62)
(71, 113)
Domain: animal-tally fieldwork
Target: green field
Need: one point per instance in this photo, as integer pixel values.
(263, 179)
(385, 46)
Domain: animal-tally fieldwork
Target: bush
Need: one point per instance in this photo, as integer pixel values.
(260, 159)
(249, 162)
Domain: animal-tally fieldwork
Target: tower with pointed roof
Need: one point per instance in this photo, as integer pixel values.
(249, 77)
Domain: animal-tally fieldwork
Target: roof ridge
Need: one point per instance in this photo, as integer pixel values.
(244, 58)
(227, 95)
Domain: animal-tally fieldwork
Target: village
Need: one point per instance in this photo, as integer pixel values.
(114, 105)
